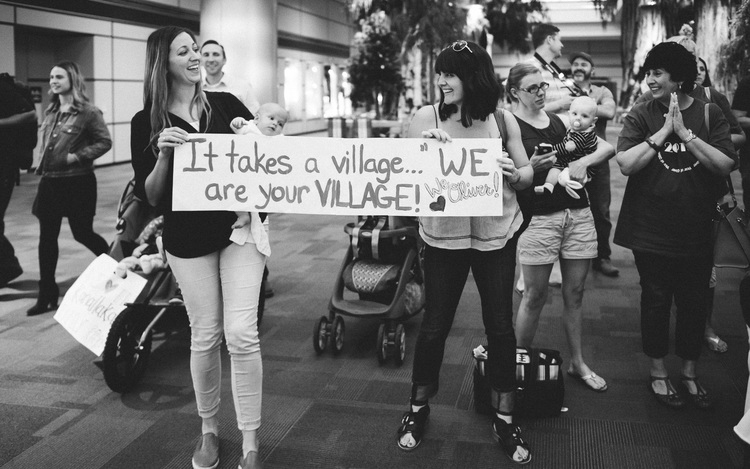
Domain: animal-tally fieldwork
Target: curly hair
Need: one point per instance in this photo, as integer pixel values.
(481, 88)
(675, 60)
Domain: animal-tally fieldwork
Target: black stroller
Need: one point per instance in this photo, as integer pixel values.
(155, 311)
(382, 266)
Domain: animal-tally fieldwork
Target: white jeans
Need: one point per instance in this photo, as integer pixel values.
(221, 293)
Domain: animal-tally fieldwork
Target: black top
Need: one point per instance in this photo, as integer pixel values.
(544, 204)
(668, 204)
(186, 234)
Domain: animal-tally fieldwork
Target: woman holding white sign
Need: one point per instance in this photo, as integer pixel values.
(469, 93)
(560, 226)
(220, 280)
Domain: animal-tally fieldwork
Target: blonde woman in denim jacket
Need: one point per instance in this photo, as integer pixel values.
(73, 136)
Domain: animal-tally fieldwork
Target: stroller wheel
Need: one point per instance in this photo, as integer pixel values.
(124, 360)
(381, 348)
(320, 335)
(400, 344)
(337, 335)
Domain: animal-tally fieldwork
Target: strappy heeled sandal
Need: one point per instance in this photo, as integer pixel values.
(510, 439)
(701, 398)
(415, 424)
(672, 398)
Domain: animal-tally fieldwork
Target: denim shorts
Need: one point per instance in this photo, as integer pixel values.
(569, 234)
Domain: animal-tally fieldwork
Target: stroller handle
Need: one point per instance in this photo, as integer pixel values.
(409, 231)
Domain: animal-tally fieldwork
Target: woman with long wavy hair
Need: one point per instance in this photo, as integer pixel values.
(220, 280)
(73, 136)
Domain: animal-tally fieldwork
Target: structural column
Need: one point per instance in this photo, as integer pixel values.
(247, 30)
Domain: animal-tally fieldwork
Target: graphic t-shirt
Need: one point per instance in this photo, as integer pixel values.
(668, 205)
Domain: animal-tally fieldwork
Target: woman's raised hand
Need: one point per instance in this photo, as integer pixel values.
(438, 134)
(169, 139)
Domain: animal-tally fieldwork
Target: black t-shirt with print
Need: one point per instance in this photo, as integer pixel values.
(668, 205)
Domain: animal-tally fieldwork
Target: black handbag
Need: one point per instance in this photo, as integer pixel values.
(731, 234)
(540, 389)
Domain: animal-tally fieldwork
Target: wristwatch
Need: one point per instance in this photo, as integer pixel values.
(691, 136)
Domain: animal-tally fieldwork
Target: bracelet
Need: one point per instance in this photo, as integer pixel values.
(653, 145)
(691, 136)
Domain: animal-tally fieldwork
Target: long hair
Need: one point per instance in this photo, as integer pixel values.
(157, 83)
(481, 87)
(707, 80)
(77, 87)
(516, 74)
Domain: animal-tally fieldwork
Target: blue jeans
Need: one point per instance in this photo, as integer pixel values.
(684, 280)
(446, 272)
(600, 196)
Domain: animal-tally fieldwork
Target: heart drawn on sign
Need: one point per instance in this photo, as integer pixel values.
(439, 205)
(109, 286)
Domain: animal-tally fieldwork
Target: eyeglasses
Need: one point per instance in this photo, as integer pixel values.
(458, 46)
(534, 89)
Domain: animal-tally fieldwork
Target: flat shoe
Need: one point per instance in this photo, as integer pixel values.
(251, 461)
(672, 398)
(510, 439)
(591, 381)
(701, 398)
(715, 344)
(206, 454)
(413, 423)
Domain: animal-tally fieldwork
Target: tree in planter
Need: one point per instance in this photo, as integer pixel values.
(734, 54)
(511, 22)
(374, 72)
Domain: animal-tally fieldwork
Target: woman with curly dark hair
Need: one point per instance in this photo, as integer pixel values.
(676, 151)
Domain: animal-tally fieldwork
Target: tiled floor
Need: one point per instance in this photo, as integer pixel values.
(342, 411)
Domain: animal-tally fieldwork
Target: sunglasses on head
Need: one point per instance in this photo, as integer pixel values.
(458, 46)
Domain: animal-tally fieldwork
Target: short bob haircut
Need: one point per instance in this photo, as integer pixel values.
(481, 87)
(516, 74)
(675, 60)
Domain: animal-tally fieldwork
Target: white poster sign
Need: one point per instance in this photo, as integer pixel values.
(338, 176)
(94, 301)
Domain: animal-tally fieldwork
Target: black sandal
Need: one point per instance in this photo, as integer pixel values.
(672, 398)
(510, 439)
(701, 398)
(414, 423)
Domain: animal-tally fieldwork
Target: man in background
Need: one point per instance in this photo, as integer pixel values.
(598, 189)
(548, 46)
(213, 59)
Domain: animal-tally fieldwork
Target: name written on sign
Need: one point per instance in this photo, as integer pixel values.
(315, 175)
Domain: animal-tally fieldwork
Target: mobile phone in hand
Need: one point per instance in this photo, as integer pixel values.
(543, 148)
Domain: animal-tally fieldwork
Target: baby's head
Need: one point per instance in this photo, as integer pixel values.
(582, 113)
(271, 119)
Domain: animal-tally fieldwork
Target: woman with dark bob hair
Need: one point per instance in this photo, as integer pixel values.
(676, 152)
(469, 92)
